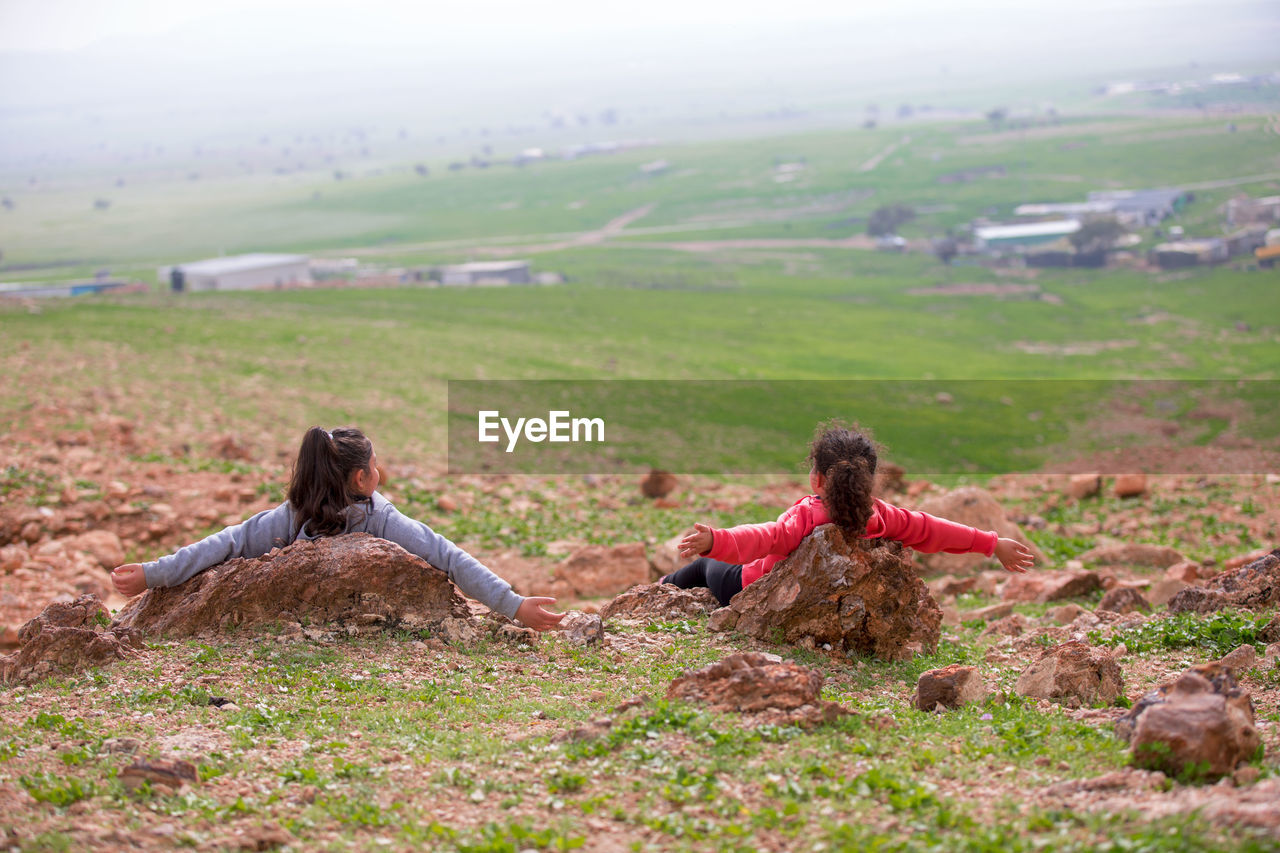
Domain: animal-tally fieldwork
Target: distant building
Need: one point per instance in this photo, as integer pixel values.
(238, 272)
(42, 289)
(1190, 253)
(1142, 208)
(1134, 208)
(487, 272)
(995, 238)
(1069, 209)
(1244, 241)
(1244, 211)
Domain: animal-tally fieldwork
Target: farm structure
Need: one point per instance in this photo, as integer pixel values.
(996, 238)
(238, 272)
(1190, 253)
(487, 272)
(68, 288)
(1134, 208)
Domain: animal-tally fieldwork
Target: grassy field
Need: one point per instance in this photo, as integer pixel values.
(382, 357)
(400, 742)
(710, 190)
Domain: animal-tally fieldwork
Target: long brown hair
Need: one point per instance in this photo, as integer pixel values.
(320, 490)
(846, 458)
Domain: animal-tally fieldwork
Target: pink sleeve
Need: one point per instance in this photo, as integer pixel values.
(748, 542)
(929, 534)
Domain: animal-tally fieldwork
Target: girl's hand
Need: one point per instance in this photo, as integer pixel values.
(696, 543)
(535, 616)
(129, 579)
(1013, 555)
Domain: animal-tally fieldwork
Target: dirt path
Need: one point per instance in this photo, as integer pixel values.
(857, 241)
(612, 228)
(875, 161)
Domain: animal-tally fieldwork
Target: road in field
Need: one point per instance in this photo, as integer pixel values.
(871, 164)
(533, 244)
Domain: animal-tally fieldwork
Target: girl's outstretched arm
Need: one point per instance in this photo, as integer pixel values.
(251, 538)
(471, 576)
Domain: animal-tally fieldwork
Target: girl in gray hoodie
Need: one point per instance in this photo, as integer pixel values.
(334, 491)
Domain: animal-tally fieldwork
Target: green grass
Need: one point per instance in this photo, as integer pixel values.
(380, 741)
(398, 347)
(1215, 634)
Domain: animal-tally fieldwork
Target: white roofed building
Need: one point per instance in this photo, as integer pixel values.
(487, 272)
(994, 238)
(238, 272)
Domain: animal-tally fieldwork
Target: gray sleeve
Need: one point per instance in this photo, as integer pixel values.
(466, 571)
(251, 538)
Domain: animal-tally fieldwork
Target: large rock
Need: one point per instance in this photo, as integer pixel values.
(598, 570)
(660, 602)
(1132, 554)
(949, 687)
(1073, 674)
(862, 597)
(356, 581)
(764, 686)
(67, 637)
(1202, 724)
(1255, 586)
(976, 508)
(1043, 587)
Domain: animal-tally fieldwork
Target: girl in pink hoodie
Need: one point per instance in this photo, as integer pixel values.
(842, 472)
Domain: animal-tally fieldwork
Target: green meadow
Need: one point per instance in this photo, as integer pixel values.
(808, 185)
(383, 357)
(397, 741)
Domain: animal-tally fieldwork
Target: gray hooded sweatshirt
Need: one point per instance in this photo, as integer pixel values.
(275, 528)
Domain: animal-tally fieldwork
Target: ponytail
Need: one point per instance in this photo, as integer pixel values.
(320, 489)
(846, 458)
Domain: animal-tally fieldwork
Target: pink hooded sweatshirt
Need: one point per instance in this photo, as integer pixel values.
(759, 546)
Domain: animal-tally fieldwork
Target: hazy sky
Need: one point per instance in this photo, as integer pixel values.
(164, 67)
(71, 24)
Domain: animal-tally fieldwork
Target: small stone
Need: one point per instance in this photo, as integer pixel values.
(1162, 592)
(582, 629)
(990, 613)
(170, 773)
(1123, 599)
(1066, 614)
(951, 686)
(1241, 659)
(658, 484)
(1245, 775)
(1186, 571)
(1074, 674)
(1130, 485)
(1084, 486)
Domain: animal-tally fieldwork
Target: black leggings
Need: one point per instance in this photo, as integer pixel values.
(723, 579)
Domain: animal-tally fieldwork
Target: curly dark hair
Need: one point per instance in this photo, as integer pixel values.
(846, 457)
(320, 490)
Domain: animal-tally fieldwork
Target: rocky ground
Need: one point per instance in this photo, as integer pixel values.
(379, 733)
